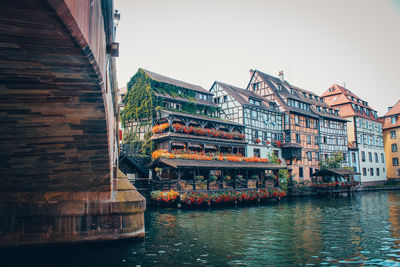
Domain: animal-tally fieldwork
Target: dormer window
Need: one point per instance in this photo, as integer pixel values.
(316, 98)
(393, 119)
(330, 90)
(279, 87)
(179, 91)
(291, 91)
(310, 96)
(318, 108)
(304, 95)
(254, 102)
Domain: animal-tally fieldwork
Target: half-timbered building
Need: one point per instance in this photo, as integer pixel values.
(301, 129)
(262, 119)
(193, 147)
(364, 131)
(332, 127)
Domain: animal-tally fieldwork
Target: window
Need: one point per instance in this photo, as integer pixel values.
(395, 161)
(370, 156)
(309, 155)
(256, 152)
(324, 139)
(394, 119)
(298, 140)
(382, 158)
(353, 156)
(344, 157)
(393, 134)
(364, 172)
(311, 171)
(253, 114)
(394, 147)
(301, 172)
(377, 171)
(307, 122)
(362, 156)
(309, 139)
(316, 155)
(256, 86)
(371, 170)
(296, 120)
(225, 98)
(316, 140)
(376, 157)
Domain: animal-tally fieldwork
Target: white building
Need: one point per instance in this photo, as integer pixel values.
(261, 118)
(364, 131)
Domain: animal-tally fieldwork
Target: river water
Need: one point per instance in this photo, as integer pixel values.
(360, 230)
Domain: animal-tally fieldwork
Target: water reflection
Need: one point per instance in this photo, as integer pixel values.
(361, 230)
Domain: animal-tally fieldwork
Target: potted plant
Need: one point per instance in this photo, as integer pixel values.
(227, 178)
(239, 178)
(254, 177)
(257, 140)
(212, 178)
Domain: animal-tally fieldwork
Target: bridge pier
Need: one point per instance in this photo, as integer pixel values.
(58, 116)
(54, 217)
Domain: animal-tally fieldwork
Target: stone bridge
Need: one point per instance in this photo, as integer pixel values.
(58, 110)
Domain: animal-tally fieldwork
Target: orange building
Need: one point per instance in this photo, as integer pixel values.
(391, 140)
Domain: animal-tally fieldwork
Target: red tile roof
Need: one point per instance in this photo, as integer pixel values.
(342, 98)
(387, 119)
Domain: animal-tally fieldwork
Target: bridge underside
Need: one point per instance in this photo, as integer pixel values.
(55, 168)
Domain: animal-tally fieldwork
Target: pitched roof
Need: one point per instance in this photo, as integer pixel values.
(387, 119)
(243, 96)
(284, 91)
(183, 99)
(335, 172)
(394, 110)
(160, 78)
(342, 98)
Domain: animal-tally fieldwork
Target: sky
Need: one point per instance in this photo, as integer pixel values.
(315, 42)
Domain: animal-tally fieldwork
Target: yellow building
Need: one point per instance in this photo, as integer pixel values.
(391, 140)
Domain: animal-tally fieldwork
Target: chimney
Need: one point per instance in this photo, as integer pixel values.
(389, 108)
(281, 76)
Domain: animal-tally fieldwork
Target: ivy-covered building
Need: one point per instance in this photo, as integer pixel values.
(188, 139)
(261, 118)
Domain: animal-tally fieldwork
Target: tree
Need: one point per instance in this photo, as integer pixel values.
(334, 161)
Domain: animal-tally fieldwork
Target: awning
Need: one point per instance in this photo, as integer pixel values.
(194, 145)
(213, 164)
(177, 144)
(335, 172)
(210, 146)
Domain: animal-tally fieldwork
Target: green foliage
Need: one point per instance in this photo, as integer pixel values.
(334, 161)
(140, 100)
(283, 175)
(272, 158)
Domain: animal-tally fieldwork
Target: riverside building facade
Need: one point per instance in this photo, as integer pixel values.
(301, 124)
(262, 119)
(391, 140)
(364, 132)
